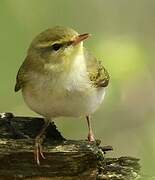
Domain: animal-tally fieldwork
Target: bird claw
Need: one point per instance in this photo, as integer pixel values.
(91, 137)
(38, 152)
(41, 152)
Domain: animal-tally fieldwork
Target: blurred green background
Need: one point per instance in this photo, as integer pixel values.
(123, 36)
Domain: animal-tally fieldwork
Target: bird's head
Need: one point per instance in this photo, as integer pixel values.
(57, 44)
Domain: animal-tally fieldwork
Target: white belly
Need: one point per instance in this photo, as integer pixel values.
(70, 94)
(58, 103)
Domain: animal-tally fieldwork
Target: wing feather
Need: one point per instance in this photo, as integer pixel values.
(98, 75)
(21, 76)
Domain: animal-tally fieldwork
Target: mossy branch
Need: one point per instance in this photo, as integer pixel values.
(65, 159)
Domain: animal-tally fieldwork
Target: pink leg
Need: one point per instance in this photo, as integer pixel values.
(91, 137)
(38, 143)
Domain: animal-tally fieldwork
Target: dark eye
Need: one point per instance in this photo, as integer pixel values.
(56, 47)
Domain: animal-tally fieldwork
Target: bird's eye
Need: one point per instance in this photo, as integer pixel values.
(56, 47)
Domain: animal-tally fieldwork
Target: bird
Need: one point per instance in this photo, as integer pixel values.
(61, 78)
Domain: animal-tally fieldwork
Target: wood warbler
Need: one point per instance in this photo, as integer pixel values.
(59, 77)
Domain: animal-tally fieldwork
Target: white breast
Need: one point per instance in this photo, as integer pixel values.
(69, 95)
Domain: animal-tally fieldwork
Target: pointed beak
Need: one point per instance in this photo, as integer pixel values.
(80, 38)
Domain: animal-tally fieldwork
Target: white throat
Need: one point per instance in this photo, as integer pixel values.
(77, 78)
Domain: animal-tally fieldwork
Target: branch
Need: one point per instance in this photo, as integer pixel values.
(65, 159)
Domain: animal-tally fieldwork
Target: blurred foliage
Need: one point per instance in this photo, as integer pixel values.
(123, 37)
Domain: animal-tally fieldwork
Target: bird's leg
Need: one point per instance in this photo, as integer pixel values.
(91, 137)
(38, 142)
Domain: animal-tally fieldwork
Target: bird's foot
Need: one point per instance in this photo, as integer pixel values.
(91, 137)
(38, 149)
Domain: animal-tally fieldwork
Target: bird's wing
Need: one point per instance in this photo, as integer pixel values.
(98, 75)
(21, 77)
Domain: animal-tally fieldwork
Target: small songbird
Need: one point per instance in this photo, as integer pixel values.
(59, 77)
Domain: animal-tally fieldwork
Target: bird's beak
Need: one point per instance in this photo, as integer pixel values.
(80, 38)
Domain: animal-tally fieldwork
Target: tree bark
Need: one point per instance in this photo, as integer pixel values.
(65, 159)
